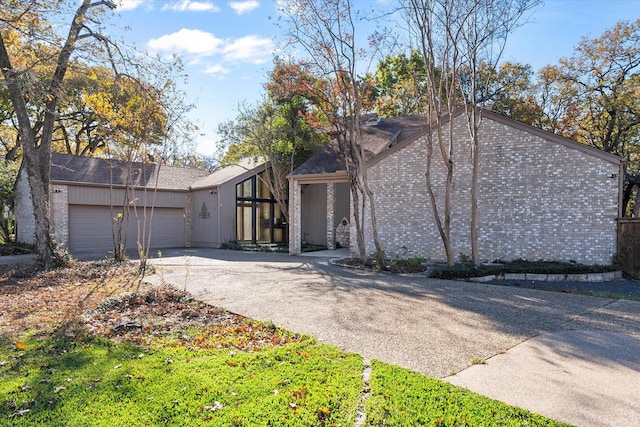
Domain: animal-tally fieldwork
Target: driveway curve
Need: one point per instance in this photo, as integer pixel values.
(435, 327)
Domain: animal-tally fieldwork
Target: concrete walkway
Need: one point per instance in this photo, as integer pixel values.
(572, 358)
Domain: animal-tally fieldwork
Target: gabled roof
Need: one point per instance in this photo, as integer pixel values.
(378, 134)
(388, 135)
(225, 174)
(94, 171)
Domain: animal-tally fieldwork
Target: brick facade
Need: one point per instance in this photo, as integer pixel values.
(331, 201)
(540, 197)
(59, 207)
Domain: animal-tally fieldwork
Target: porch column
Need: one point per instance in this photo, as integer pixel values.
(331, 203)
(295, 220)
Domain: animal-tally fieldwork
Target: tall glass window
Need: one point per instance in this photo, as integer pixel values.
(259, 218)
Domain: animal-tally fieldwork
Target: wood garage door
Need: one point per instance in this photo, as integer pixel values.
(90, 229)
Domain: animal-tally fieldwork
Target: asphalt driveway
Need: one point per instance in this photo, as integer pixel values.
(571, 357)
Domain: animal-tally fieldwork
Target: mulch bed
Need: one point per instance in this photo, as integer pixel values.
(168, 316)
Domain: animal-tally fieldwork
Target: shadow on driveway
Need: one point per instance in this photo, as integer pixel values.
(561, 347)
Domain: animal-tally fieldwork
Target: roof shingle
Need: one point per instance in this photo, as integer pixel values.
(92, 170)
(377, 136)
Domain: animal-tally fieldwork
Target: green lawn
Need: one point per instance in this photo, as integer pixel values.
(97, 381)
(400, 397)
(103, 383)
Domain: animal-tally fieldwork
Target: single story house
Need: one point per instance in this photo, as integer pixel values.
(540, 196)
(191, 207)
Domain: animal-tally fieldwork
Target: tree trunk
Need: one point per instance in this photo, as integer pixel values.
(444, 228)
(358, 213)
(37, 173)
(474, 125)
(37, 151)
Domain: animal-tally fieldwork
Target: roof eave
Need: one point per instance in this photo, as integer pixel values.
(117, 186)
(320, 178)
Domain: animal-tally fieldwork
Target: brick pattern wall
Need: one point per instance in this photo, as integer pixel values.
(331, 201)
(59, 208)
(537, 199)
(295, 218)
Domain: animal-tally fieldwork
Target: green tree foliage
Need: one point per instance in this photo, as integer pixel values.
(594, 97)
(400, 85)
(277, 130)
(507, 90)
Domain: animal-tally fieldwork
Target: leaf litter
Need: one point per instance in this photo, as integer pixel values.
(109, 300)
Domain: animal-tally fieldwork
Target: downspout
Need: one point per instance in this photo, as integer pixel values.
(188, 211)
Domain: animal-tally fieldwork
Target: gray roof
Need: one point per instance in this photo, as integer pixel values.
(91, 170)
(225, 174)
(378, 134)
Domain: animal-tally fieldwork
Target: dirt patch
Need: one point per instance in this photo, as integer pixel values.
(167, 316)
(42, 302)
(110, 300)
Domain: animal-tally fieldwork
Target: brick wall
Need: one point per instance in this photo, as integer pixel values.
(59, 208)
(538, 199)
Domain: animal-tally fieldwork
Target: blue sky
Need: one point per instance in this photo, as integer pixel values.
(228, 46)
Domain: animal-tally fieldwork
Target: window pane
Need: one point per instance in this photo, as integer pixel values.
(263, 233)
(244, 189)
(243, 217)
(280, 225)
(263, 187)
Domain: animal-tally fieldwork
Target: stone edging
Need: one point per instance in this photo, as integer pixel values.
(587, 277)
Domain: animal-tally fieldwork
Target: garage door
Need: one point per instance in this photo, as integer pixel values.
(90, 228)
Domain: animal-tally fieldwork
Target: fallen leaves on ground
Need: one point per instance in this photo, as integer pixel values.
(109, 299)
(43, 301)
(167, 316)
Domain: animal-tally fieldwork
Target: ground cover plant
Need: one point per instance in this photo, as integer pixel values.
(399, 397)
(98, 382)
(92, 345)
(465, 269)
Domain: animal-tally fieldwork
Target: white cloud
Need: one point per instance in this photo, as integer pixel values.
(242, 7)
(251, 49)
(185, 41)
(191, 6)
(217, 71)
(123, 5)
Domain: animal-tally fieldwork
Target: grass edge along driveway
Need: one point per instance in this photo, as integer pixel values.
(95, 381)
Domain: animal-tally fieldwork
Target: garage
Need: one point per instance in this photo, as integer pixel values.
(90, 228)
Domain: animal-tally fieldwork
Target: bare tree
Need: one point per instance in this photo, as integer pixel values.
(457, 38)
(432, 24)
(326, 31)
(484, 31)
